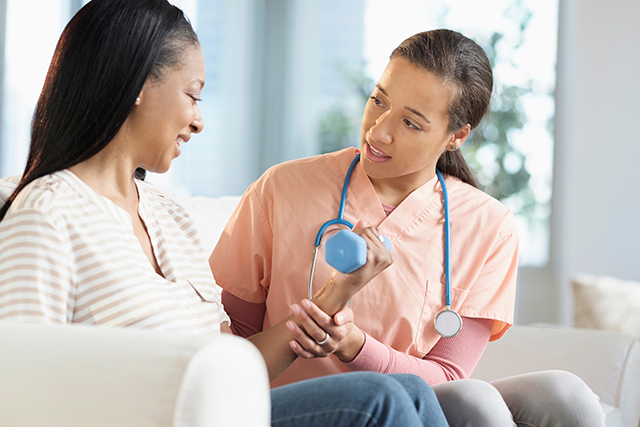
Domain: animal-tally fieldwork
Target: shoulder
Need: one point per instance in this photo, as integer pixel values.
(478, 208)
(46, 194)
(159, 198)
(306, 173)
(171, 215)
(41, 211)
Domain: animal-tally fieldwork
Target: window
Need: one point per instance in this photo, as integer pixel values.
(288, 79)
(29, 46)
(512, 149)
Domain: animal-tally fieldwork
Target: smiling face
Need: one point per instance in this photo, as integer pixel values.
(404, 128)
(167, 113)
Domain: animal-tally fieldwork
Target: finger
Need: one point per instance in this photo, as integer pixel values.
(343, 317)
(376, 249)
(337, 329)
(307, 343)
(308, 324)
(372, 236)
(320, 317)
(301, 352)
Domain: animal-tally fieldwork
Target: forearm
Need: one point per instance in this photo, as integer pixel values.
(273, 343)
(334, 295)
(450, 359)
(379, 357)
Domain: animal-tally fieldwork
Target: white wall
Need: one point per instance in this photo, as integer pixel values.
(596, 204)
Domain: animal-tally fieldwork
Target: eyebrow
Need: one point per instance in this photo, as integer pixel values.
(414, 111)
(382, 90)
(418, 113)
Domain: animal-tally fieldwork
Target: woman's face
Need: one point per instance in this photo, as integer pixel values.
(404, 127)
(167, 113)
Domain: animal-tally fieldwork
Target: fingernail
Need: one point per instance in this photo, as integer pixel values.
(290, 326)
(295, 309)
(306, 304)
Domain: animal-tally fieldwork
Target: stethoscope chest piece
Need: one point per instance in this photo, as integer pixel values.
(448, 323)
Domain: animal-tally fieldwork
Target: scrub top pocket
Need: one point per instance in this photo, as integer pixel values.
(434, 303)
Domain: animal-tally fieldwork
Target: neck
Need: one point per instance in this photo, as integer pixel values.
(392, 191)
(110, 173)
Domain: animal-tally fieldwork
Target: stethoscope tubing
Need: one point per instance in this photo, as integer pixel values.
(447, 240)
(343, 198)
(340, 220)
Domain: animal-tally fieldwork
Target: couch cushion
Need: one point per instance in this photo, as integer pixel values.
(210, 215)
(606, 303)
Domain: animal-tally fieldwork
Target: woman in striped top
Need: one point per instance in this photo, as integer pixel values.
(83, 239)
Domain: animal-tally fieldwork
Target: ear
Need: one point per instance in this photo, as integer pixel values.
(140, 95)
(458, 138)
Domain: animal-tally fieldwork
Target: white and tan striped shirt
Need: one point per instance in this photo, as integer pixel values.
(69, 255)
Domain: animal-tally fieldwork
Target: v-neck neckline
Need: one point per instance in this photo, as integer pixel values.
(121, 215)
(362, 195)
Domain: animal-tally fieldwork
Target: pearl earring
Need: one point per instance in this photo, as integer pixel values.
(137, 100)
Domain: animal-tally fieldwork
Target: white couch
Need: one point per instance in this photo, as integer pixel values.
(608, 362)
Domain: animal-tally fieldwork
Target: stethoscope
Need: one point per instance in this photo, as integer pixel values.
(346, 252)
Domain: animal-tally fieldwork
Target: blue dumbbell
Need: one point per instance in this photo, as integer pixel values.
(346, 251)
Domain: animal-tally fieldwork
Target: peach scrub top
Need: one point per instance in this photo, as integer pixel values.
(264, 254)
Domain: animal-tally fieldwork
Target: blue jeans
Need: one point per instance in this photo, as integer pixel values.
(357, 399)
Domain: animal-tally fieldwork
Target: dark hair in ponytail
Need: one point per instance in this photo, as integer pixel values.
(462, 65)
(102, 60)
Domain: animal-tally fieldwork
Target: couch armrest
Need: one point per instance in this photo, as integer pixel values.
(80, 375)
(608, 362)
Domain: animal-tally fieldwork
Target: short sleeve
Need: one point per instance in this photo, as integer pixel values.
(241, 260)
(495, 287)
(36, 274)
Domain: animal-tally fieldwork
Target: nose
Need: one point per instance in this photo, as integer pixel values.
(197, 124)
(380, 131)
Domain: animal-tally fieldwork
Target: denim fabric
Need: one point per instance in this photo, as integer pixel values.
(357, 399)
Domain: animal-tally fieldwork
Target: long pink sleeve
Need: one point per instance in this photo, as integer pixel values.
(246, 317)
(450, 359)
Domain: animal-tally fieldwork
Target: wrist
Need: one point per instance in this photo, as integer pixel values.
(334, 295)
(351, 346)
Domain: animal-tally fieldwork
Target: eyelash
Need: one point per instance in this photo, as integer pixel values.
(407, 122)
(377, 101)
(411, 125)
(194, 98)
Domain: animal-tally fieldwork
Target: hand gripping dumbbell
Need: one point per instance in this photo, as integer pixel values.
(346, 251)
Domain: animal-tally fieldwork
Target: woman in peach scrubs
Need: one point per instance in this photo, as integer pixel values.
(434, 91)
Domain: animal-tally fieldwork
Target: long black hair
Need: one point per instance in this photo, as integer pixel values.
(462, 65)
(101, 62)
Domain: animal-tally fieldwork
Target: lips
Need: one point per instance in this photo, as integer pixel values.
(181, 140)
(375, 155)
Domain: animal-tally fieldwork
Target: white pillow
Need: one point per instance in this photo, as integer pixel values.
(210, 215)
(607, 303)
